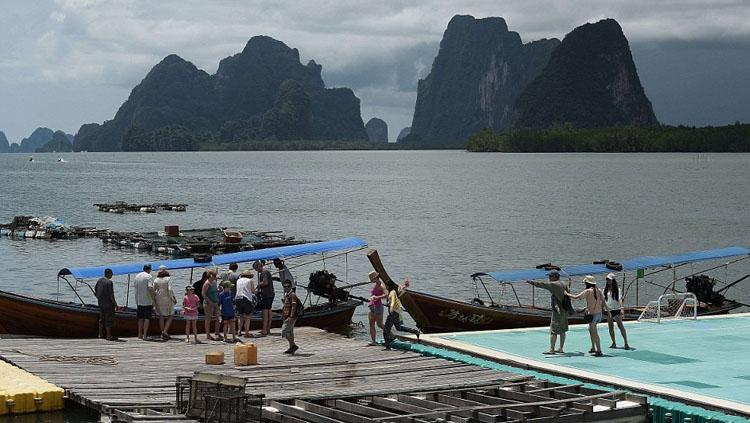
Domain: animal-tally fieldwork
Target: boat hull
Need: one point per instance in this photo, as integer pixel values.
(22, 315)
(435, 314)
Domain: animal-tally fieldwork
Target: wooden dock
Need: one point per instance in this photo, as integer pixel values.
(142, 374)
(330, 379)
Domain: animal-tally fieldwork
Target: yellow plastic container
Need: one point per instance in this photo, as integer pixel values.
(22, 392)
(215, 357)
(245, 354)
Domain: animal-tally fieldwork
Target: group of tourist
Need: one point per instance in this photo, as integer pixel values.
(220, 298)
(597, 303)
(378, 292)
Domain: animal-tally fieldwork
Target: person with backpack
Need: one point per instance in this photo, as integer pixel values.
(289, 314)
(561, 309)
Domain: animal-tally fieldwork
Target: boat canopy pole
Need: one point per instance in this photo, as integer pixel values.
(75, 291)
(323, 258)
(127, 291)
(485, 290)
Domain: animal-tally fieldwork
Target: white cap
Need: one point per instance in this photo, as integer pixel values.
(611, 276)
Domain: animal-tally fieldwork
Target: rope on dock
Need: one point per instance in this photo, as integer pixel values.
(97, 360)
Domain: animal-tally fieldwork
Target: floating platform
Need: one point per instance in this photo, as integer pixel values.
(22, 392)
(330, 379)
(30, 227)
(700, 362)
(122, 207)
(189, 242)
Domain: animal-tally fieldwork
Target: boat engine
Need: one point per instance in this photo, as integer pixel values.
(323, 284)
(703, 288)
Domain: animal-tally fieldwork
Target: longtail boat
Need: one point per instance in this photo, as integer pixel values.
(435, 314)
(26, 315)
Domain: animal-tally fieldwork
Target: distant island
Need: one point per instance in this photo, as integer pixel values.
(486, 91)
(42, 140)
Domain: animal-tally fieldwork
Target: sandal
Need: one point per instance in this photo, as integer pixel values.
(615, 346)
(550, 352)
(626, 347)
(591, 351)
(559, 352)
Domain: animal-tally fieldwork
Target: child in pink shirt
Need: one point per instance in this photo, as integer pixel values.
(190, 313)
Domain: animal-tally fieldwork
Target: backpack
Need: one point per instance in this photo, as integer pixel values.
(300, 308)
(567, 305)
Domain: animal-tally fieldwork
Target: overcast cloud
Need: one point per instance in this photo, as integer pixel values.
(68, 62)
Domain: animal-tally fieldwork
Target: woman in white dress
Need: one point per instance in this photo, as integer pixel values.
(165, 301)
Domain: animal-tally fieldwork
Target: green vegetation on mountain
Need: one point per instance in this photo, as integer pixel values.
(628, 139)
(589, 82)
(166, 138)
(60, 143)
(262, 93)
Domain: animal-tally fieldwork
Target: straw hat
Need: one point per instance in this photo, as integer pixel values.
(373, 275)
(248, 273)
(589, 280)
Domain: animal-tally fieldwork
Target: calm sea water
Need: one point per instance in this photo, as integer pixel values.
(435, 216)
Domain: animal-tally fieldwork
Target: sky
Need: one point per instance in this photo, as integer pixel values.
(64, 63)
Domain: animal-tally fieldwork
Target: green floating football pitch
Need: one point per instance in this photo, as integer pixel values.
(709, 357)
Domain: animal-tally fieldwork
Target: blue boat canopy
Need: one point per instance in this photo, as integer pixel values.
(627, 265)
(243, 256)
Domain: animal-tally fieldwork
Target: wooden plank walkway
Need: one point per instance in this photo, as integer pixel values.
(327, 365)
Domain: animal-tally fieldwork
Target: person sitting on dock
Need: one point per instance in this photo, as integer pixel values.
(284, 273)
(559, 322)
(245, 300)
(105, 294)
(190, 313)
(594, 306)
(265, 294)
(145, 298)
(165, 300)
(211, 304)
(394, 318)
(226, 299)
(289, 316)
(615, 304)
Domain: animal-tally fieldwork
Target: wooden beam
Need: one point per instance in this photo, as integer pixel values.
(332, 412)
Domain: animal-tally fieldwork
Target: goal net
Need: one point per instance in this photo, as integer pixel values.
(671, 306)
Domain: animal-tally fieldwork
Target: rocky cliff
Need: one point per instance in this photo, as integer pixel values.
(476, 78)
(59, 143)
(377, 130)
(590, 81)
(403, 133)
(237, 99)
(4, 146)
